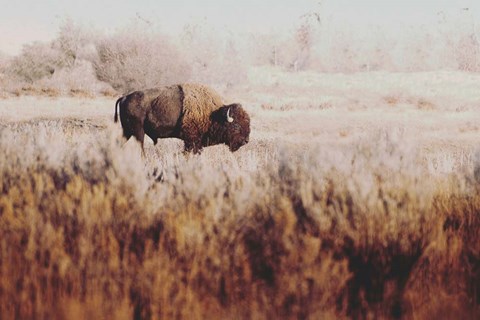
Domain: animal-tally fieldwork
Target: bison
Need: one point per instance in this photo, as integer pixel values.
(192, 112)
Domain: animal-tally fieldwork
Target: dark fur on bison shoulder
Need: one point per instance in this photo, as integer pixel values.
(191, 112)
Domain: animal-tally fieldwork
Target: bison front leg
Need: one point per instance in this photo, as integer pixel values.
(192, 139)
(194, 146)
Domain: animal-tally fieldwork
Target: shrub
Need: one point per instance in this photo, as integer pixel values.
(80, 78)
(36, 61)
(132, 60)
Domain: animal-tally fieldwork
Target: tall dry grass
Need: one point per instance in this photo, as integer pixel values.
(89, 229)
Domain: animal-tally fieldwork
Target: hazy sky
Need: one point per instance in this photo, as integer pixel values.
(23, 21)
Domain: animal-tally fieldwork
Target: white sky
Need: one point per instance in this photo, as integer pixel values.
(23, 21)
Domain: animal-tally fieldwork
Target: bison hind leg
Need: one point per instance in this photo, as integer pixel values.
(139, 134)
(127, 134)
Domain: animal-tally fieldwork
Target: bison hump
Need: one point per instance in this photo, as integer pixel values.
(199, 101)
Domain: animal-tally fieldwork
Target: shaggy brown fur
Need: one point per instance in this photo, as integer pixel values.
(199, 101)
(237, 132)
(192, 112)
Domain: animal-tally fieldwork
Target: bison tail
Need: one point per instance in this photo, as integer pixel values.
(115, 119)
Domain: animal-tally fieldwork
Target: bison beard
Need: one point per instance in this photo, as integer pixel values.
(191, 112)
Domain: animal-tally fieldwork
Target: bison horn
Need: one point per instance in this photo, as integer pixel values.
(229, 119)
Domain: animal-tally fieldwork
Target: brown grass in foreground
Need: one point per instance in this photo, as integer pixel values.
(89, 231)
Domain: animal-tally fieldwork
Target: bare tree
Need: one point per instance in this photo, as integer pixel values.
(305, 37)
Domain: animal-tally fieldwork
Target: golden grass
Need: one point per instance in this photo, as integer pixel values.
(90, 230)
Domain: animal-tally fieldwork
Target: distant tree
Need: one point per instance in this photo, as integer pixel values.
(213, 55)
(305, 36)
(202, 49)
(266, 49)
(468, 46)
(70, 41)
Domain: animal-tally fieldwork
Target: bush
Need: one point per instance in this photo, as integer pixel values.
(57, 67)
(132, 60)
(79, 79)
(36, 61)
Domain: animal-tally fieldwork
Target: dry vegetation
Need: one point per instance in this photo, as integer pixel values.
(331, 212)
(358, 195)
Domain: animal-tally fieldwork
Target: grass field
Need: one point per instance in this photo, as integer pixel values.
(358, 196)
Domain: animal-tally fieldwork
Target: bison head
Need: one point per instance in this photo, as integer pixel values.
(230, 125)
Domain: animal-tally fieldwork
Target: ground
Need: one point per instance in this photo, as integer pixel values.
(356, 197)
